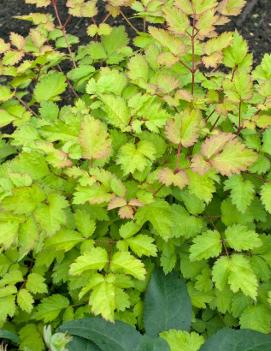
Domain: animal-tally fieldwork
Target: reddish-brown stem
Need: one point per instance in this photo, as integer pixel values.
(185, 65)
(69, 83)
(25, 105)
(129, 22)
(62, 27)
(193, 71)
(239, 117)
(67, 21)
(214, 125)
(233, 73)
(106, 18)
(177, 169)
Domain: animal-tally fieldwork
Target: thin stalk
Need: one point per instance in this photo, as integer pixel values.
(239, 117)
(69, 83)
(129, 22)
(25, 105)
(193, 71)
(177, 169)
(62, 27)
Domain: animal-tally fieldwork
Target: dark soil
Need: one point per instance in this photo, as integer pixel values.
(254, 23)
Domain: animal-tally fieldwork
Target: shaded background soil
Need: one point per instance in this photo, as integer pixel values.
(254, 23)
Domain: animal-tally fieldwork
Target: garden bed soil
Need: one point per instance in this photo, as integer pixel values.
(254, 23)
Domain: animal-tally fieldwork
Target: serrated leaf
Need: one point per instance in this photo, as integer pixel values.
(94, 139)
(235, 54)
(31, 338)
(102, 300)
(52, 216)
(8, 233)
(184, 128)
(242, 191)
(266, 196)
(177, 20)
(201, 186)
(219, 43)
(231, 7)
(239, 238)
(257, 317)
(36, 284)
(142, 245)
(38, 3)
(95, 259)
(138, 69)
(167, 304)
(237, 272)
(25, 300)
(182, 340)
(234, 158)
(206, 245)
(50, 307)
(124, 262)
(50, 87)
(170, 41)
(117, 111)
(169, 177)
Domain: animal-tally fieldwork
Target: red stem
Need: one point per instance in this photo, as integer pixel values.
(193, 71)
(62, 27)
(177, 169)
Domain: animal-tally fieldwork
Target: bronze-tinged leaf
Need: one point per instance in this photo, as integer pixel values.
(233, 159)
(116, 202)
(94, 139)
(167, 177)
(184, 128)
(231, 7)
(4, 47)
(177, 20)
(17, 40)
(174, 44)
(215, 144)
(126, 212)
(213, 60)
(200, 165)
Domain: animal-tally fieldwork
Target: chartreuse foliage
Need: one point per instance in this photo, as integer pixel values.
(167, 312)
(114, 161)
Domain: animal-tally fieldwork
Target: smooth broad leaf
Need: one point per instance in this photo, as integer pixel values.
(107, 336)
(81, 344)
(50, 87)
(237, 340)
(148, 343)
(8, 335)
(167, 304)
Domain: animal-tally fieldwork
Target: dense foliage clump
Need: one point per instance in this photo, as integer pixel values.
(117, 157)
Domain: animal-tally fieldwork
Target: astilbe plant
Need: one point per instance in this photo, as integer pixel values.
(161, 159)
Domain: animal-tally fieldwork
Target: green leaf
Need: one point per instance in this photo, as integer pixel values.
(25, 300)
(36, 284)
(142, 155)
(237, 272)
(201, 186)
(107, 336)
(102, 300)
(52, 216)
(177, 20)
(239, 238)
(167, 304)
(117, 112)
(206, 245)
(142, 245)
(50, 307)
(242, 191)
(182, 340)
(31, 338)
(148, 343)
(236, 53)
(237, 340)
(257, 317)
(138, 69)
(124, 262)
(82, 344)
(8, 233)
(266, 196)
(8, 335)
(95, 259)
(184, 128)
(94, 139)
(50, 87)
